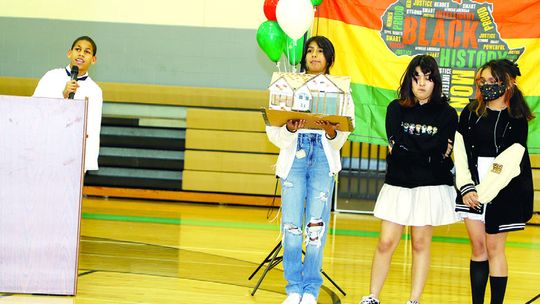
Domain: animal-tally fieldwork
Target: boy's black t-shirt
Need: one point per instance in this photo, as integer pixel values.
(420, 135)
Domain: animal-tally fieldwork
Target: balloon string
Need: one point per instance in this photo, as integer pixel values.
(287, 49)
(286, 63)
(294, 57)
(277, 66)
(318, 13)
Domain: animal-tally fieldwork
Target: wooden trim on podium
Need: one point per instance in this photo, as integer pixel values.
(183, 196)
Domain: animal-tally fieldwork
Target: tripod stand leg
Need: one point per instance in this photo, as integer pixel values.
(266, 260)
(333, 283)
(272, 262)
(270, 265)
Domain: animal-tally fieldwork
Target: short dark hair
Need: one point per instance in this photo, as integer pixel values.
(428, 65)
(86, 38)
(328, 50)
(506, 72)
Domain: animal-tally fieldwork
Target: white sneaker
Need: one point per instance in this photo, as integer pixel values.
(308, 298)
(293, 298)
(412, 302)
(369, 300)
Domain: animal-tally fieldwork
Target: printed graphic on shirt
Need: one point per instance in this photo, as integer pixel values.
(418, 129)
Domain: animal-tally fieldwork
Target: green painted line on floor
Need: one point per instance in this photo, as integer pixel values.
(129, 218)
(523, 245)
(226, 224)
(176, 221)
(275, 227)
(450, 239)
(350, 232)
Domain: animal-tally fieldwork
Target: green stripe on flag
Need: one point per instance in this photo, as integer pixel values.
(533, 142)
(370, 111)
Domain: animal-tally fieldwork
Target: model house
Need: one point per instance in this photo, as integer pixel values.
(320, 94)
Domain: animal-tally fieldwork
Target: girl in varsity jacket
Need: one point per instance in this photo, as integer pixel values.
(493, 173)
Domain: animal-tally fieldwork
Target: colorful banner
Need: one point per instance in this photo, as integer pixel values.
(375, 40)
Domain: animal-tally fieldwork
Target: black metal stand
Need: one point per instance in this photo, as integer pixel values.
(272, 259)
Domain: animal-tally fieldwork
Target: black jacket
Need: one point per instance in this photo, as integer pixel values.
(513, 206)
(420, 138)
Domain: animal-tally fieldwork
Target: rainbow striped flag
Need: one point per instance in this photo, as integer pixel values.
(375, 40)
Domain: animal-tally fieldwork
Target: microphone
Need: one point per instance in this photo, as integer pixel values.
(74, 74)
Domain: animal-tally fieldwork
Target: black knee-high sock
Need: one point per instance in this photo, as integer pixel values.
(479, 272)
(498, 288)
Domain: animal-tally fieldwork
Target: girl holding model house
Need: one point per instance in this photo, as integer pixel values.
(308, 164)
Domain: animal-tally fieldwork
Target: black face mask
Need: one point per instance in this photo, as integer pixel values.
(492, 91)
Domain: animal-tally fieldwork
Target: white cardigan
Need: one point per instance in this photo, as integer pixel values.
(287, 142)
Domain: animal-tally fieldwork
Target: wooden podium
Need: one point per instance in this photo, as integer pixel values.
(42, 144)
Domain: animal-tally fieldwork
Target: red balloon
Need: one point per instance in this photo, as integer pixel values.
(270, 9)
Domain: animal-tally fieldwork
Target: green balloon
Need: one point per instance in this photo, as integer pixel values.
(294, 49)
(316, 2)
(271, 39)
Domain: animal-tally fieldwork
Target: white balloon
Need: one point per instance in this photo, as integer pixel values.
(294, 17)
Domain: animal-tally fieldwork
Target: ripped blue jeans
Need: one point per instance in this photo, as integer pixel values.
(306, 199)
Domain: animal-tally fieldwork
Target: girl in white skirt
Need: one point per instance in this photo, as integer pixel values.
(418, 189)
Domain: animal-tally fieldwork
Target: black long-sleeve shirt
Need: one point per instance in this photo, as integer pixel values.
(419, 136)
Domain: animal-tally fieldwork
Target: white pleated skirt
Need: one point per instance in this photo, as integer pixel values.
(420, 206)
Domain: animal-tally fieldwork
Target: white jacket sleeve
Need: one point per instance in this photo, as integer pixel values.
(464, 181)
(93, 130)
(280, 136)
(505, 167)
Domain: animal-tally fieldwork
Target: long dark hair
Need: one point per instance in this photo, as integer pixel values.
(428, 65)
(505, 71)
(328, 50)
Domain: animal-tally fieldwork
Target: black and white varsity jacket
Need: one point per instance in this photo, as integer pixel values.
(507, 188)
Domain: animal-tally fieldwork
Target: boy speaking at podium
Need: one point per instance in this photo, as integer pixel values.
(73, 82)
